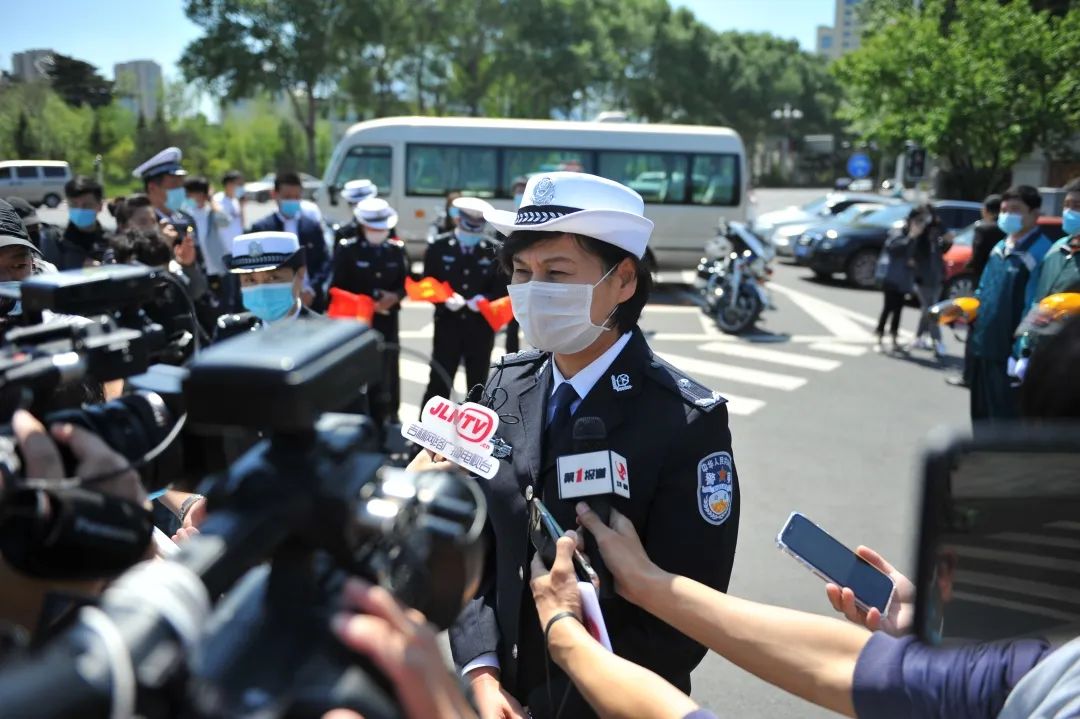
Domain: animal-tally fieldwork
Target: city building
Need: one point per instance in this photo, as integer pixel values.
(31, 65)
(138, 86)
(844, 35)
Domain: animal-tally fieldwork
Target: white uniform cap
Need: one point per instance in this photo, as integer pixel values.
(166, 162)
(258, 251)
(354, 191)
(473, 211)
(577, 203)
(375, 213)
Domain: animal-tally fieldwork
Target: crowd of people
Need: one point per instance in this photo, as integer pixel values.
(1014, 266)
(570, 257)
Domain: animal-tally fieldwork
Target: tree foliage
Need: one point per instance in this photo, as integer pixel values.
(78, 82)
(979, 83)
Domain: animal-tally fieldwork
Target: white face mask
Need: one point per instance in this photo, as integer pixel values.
(557, 317)
(376, 237)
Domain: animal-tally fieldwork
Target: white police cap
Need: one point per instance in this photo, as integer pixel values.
(166, 162)
(472, 211)
(376, 213)
(259, 251)
(354, 191)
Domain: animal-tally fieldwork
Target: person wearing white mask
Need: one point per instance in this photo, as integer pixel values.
(466, 259)
(574, 250)
(374, 264)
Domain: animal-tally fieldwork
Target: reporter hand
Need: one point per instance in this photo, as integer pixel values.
(185, 251)
(492, 701)
(403, 647)
(901, 614)
(427, 461)
(556, 591)
(621, 549)
(455, 302)
(93, 456)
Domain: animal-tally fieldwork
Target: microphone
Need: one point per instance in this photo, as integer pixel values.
(593, 473)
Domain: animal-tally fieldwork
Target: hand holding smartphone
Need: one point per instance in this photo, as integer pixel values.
(830, 560)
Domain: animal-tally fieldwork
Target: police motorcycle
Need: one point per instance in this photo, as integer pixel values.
(732, 278)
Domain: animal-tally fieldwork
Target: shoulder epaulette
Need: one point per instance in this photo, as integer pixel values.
(519, 358)
(686, 388)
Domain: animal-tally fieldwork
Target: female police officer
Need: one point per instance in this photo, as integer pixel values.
(574, 249)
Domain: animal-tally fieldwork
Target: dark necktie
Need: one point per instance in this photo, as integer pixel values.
(560, 414)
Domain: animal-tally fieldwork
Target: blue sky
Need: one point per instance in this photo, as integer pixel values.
(110, 31)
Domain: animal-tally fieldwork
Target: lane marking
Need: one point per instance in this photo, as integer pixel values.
(838, 348)
(419, 373)
(832, 317)
(732, 373)
(1043, 590)
(743, 350)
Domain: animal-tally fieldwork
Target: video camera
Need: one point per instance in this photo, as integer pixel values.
(309, 505)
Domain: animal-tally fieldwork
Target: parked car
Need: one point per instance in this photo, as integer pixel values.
(813, 211)
(959, 281)
(786, 238)
(39, 182)
(259, 190)
(853, 249)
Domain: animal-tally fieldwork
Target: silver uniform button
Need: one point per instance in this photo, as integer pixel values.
(521, 572)
(513, 651)
(528, 493)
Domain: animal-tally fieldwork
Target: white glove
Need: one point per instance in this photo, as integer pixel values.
(454, 302)
(474, 302)
(1018, 367)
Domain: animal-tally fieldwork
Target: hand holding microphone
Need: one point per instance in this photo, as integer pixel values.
(593, 473)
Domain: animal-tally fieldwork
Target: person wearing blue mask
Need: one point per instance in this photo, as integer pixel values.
(1006, 290)
(271, 268)
(163, 179)
(290, 217)
(1060, 269)
(84, 241)
(466, 259)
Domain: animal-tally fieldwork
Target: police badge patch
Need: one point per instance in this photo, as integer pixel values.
(715, 487)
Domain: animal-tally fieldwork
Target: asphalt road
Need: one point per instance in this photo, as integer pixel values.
(821, 425)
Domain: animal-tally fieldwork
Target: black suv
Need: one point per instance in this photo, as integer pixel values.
(853, 249)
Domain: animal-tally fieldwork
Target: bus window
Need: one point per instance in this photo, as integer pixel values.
(434, 170)
(659, 177)
(526, 161)
(366, 163)
(716, 180)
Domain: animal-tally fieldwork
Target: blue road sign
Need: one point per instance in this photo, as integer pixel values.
(859, 165)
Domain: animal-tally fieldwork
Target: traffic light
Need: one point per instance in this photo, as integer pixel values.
(916, 163)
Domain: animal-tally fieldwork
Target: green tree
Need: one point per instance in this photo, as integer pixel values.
(979, 92)
(79, 83)
(273, 46)
(24, 143)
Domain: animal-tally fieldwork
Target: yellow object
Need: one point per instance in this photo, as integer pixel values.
(1050, 314)
(961, 310)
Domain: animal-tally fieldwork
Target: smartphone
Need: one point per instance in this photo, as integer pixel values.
(544, 531)
(812, 546)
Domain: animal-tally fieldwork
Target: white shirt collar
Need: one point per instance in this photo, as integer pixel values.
(589, 375)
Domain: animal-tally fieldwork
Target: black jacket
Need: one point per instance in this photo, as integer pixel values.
(987, 235)
(72, 249)
(474, 273)
(310, 234)
(368, 269)
(673, 433)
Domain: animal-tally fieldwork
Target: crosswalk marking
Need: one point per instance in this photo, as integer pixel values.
(1017, 606)
(1020, 558)
(743, 350)
(828, 315)
(732, 373)
(742, 406)
(1043, 590)
(839, 348)
(1041, 540)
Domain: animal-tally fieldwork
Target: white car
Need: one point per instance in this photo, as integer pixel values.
(259, 190)
(811, 213)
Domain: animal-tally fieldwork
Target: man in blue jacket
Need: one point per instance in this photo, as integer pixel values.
(288, 191)
(1005, 291)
